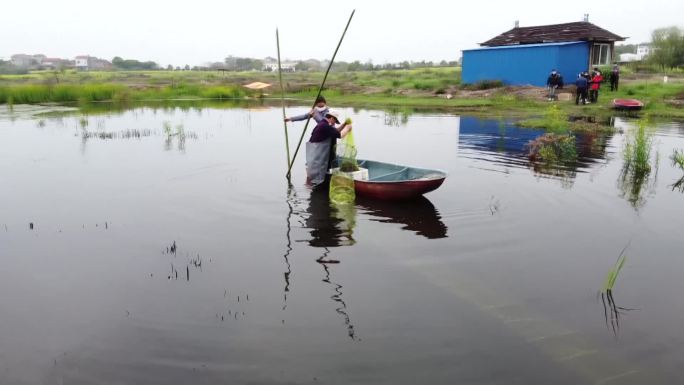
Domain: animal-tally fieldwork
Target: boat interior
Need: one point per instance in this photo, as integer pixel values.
(387, 172)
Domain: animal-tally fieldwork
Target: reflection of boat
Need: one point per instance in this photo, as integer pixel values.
(391, 182)
(627, 104)
(418, 215)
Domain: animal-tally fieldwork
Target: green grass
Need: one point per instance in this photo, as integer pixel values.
(637, 165)
(613, 273)
(96, 92)
(637, 151)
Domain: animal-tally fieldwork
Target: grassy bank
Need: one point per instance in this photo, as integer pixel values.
(95, 92)
(436, 88)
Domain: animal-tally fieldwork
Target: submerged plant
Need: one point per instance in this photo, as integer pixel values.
(167, 128)
(611, 310)
(553, 148)
(637, 167)
(678, 161)
(637, 152)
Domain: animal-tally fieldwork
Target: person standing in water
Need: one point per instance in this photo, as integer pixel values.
(321, 144)
(317, 113)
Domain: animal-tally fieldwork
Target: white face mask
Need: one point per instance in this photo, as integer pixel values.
(321, 109)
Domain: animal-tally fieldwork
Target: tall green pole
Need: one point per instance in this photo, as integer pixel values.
(320, 89)
(282, 101)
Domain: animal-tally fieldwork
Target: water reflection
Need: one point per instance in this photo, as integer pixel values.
(337, 297)
(419, 215)
(291, 201)
(329, 225)
(503, 144)
(612, 312)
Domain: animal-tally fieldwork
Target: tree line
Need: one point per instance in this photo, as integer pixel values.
(667, 48)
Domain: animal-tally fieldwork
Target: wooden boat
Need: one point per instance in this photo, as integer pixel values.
(627, 104)
(393, 182)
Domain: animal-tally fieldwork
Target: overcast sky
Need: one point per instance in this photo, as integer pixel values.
(198, 31)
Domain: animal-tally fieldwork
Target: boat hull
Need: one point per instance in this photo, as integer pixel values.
(396, 190)
(389, 181)
(627, 104)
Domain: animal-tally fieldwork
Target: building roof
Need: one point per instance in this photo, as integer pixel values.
(522, 46)
(577, 31)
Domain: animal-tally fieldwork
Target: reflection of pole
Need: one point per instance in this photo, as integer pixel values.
(337, 297)
(288, 249)
(282, 101)
(320, 89)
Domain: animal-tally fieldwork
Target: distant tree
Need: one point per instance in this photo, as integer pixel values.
(301, 66)
(233, 63)
(667, 47)
(169, 67)
(186, 68)
(130, 64)
(625, 48)
(355, 66)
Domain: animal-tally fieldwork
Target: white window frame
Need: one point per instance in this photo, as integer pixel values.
(597, 53)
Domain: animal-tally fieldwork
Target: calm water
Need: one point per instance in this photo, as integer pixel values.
(130, 258)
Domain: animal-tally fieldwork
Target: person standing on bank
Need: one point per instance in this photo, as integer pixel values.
(317, 113)
(595, 85)
(322, 144)
(552, 82)
(582, 85)
(614, 78)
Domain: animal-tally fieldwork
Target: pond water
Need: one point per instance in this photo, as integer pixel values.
(164, 246)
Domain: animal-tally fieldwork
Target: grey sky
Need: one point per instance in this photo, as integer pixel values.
(194, 32)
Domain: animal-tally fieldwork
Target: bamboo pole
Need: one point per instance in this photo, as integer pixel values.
(282, 101)
(320, 89)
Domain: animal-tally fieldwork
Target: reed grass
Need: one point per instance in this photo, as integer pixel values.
(637, 151)
(614, 271)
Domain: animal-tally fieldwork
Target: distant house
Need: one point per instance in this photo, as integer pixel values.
(81, 62)
(642, 52)
(88, 63)
(55, 63)
(272, 65)
(26, 61)
(525, 55)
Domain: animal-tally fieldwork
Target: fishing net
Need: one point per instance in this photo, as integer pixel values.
(342, 179)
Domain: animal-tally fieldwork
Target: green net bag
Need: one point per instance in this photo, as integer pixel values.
(342, 181)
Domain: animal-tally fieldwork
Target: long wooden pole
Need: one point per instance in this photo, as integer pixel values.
(282, 101)
(320, 89)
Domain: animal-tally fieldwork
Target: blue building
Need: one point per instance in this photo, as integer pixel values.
(526, 55)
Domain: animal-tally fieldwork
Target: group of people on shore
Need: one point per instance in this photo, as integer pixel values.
(588, 85)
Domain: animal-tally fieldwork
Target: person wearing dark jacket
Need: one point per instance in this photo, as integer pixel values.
(320, 147)
(614, 78)
(554, 81)
(582, 85)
